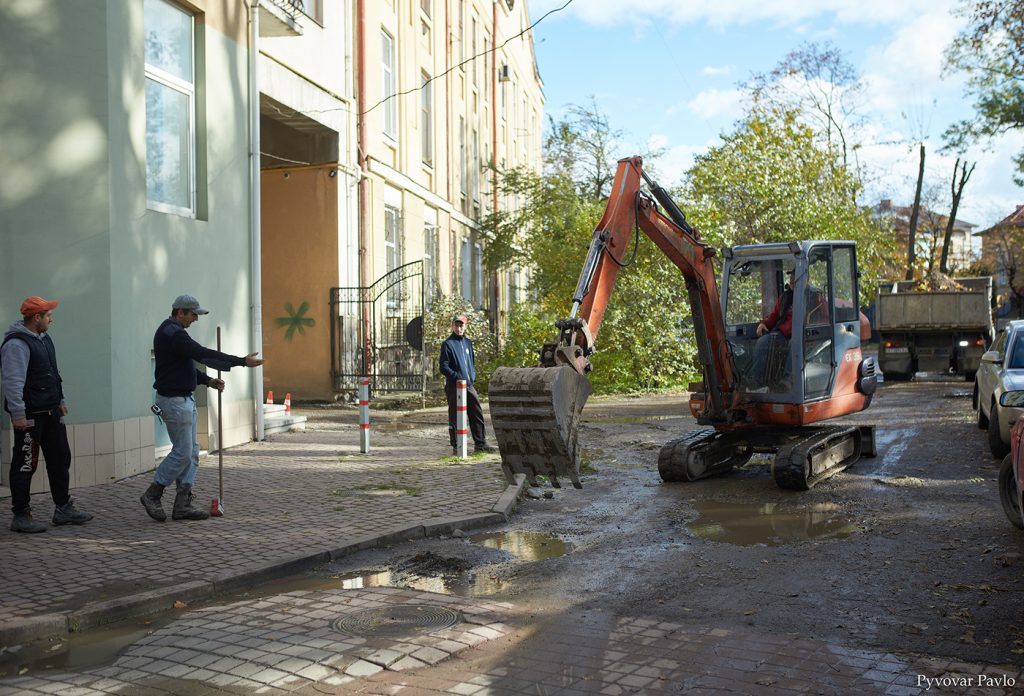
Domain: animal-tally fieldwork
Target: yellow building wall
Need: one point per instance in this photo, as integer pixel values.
(300, 266)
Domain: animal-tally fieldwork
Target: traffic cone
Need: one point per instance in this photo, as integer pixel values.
(270, 397)
(216, 508)
(288, 402)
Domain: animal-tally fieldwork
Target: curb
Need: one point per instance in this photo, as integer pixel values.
(144, 603)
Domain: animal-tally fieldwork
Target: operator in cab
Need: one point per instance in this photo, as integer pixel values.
(773, 334)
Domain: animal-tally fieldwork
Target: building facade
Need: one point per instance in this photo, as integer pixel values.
(449, 91)
(931, 229)
(124, 182)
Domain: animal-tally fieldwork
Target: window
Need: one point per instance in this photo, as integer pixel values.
(170, 109)
(427, 122)
(388, 86)
(431, 257)
(474, 165)
(478, 275)
(461, 43)
(472, 45)
(466, 274)
(845, 285)
(311, 8)
(464, 173)
(393, 249)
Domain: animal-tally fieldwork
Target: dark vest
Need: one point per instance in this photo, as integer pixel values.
(42, 381)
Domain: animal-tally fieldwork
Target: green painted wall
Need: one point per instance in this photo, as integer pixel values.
(73, 219)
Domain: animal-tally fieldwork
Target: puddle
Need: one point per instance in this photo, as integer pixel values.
(526, 546)
(769, 524)
(462, 585)
(95, 648)
(633, 419)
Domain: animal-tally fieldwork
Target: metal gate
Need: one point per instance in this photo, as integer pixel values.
(377, 332)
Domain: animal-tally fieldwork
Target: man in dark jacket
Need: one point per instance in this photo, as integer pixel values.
(176, 378)
(457, 363)
(34, 398)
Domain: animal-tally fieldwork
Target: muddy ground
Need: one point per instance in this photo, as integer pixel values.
(909, 551)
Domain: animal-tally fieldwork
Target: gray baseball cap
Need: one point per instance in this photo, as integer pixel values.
(188, 302)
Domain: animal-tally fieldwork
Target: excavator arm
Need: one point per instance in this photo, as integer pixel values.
(535, 411)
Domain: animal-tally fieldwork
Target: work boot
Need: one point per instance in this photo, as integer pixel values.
(68, 514)
(483, 447)
(151, 501)
(183, 509)
(24, 523)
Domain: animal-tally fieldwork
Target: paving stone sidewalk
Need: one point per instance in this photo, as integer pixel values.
(292, 501)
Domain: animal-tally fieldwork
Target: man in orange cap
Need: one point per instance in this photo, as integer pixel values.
(34, 398)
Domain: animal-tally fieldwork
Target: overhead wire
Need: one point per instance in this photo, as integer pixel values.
(468, 60)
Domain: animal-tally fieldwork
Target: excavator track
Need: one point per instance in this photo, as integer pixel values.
(821, 453)
(701, 453)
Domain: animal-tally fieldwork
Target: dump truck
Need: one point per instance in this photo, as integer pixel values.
(928, 326)
(762, 391)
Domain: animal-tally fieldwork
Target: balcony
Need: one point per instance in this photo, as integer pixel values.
(281, 17)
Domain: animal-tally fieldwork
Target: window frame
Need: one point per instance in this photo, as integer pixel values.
(427, 119)
(389, 85)
(188, 90)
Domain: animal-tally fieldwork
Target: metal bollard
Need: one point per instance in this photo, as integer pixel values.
(364, 416)
(460, 419)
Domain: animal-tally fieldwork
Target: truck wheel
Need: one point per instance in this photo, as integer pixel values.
(1009, 496)
(996, 445)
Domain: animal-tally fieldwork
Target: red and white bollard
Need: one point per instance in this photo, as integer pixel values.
(460, 419)
(364, 416)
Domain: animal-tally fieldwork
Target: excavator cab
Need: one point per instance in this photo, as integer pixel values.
(805, 290)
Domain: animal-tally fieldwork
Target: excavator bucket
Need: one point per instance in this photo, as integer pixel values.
(535, 412)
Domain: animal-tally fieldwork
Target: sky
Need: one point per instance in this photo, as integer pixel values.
(666, 73)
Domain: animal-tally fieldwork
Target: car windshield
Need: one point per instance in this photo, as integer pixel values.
(1017, 352)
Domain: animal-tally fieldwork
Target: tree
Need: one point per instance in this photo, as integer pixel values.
(914, 215)
(817, 81)
(773, 180)
(990, 50)
(957, 190)
(1003, 252)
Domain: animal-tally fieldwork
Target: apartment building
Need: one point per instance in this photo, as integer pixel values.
(447, 89)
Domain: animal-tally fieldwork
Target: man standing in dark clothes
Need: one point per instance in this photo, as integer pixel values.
(176, 379)
(34, 398)
(457, 362)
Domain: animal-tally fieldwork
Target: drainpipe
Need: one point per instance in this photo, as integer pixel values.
(496, 275)
(364, 173)
(256, 279)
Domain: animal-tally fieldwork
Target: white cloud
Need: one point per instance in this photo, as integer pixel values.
(715, 103)
(717, 71)
(723, 13)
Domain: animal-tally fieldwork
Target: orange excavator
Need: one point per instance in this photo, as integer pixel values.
(763, 390)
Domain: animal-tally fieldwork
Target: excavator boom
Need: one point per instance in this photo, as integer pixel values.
(536, 411)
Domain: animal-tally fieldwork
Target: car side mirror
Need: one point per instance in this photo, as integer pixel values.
(991, 356)
(1013, 399)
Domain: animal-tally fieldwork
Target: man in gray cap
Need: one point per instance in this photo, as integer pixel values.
(176, 379)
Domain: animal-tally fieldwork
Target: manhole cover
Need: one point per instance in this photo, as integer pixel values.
(404, 619)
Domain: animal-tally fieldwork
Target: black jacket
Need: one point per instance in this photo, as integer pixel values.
(176, 354)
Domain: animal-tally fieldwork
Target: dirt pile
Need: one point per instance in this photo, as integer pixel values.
(936, 281)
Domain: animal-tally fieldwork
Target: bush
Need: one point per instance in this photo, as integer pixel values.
(437, 326)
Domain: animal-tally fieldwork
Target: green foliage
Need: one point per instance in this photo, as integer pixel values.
(437, 326)
(771, 180)
(990, 50)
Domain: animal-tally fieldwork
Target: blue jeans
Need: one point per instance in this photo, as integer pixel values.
(182, 463)
(768, 344)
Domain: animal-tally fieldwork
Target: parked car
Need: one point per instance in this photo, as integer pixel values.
(1011, 473)
(1001, 370)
